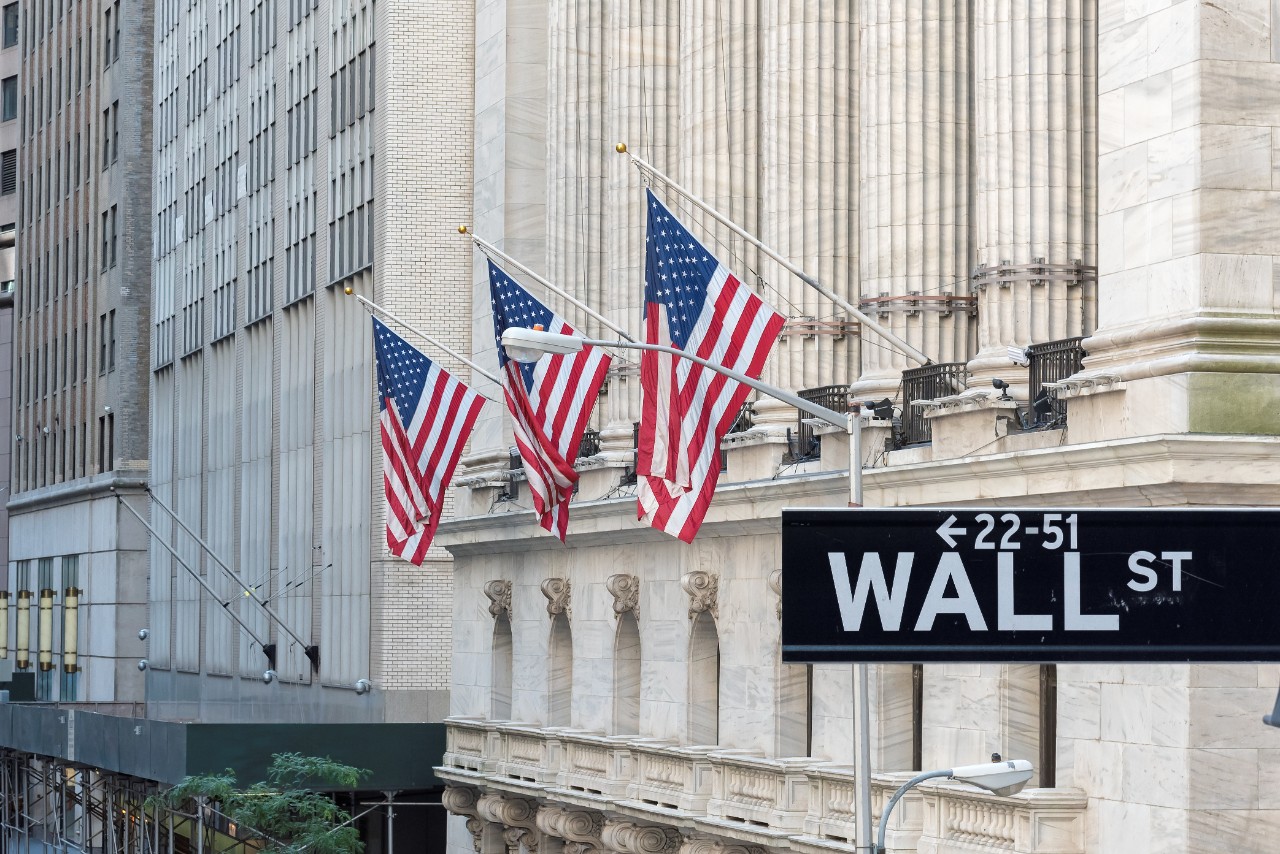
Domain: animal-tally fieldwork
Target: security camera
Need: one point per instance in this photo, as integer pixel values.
(143, 664)
(268, 677)
(1018, 355)
(1003, 388)
(363, 686)
(45, 430)
(143, 634)
(106, 409)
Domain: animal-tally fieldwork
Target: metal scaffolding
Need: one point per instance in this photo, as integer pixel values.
(47, 806)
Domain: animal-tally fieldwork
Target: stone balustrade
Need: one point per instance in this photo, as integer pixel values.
(577, 777)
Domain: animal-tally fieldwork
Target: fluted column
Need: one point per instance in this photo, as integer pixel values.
(576, 173)
(914, 181)
(1035, 187)
(719, 127)
(808, 190)
(642, 104)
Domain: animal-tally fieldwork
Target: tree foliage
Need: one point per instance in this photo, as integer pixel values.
(282, 811)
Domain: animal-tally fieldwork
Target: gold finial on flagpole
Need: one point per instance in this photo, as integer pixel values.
(348, 290)
(462, 229)
(621, 148)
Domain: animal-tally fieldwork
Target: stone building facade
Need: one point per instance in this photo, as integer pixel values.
(1090, 188)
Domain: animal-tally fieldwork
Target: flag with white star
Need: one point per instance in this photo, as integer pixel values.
(426, 418)
(693, 303)
(550, 400)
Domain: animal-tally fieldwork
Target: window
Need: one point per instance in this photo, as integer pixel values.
(11, 25)
(9, 172)
(106, 40)
(107, 342)
(106, 442)
(109, 238)
(110, 135)
(9, 99)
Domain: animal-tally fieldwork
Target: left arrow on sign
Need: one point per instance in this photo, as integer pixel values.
(949, 533)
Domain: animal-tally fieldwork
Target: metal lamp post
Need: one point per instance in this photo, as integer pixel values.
(1001, 778)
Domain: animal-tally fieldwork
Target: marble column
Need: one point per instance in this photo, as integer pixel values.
(808, 189)
(1035, 183)
(719, 129)
(914, 185)
(510, 186)
(643, 100)
(576, 170)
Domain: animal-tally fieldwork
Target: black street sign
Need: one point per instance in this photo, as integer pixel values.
(1001, 585)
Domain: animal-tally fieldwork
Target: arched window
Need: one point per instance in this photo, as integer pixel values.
(560, 683)
(500, 693)
(626, 676)
(704, 681)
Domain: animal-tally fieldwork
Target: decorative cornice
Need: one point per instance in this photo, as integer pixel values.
(514, 837)
(626, 594)
(584, 826)
(710, 845)
(775, 584)
(506, 810)
(703, 588)
(631, 838)
(460, 800)
(499, 593)
(557, 591)
(475, 827)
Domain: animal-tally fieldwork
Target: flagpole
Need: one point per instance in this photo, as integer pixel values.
(373, 306)
(489, 248)
(862, 781)
(905, 348)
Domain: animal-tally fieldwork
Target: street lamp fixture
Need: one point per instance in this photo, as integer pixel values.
(1000, 778)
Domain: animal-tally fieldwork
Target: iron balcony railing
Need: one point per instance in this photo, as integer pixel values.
(929, 382)
(589, 446)
(803, 444)
(1051, 362)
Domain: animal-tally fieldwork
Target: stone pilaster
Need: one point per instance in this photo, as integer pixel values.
(808, 190)
(642, 107)
(914, 165)
(1189, 115)
(1035, 183)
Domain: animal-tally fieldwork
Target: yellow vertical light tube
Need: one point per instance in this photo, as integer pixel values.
(4, 624)
(70, 630)
(44, 629)
(23, 640)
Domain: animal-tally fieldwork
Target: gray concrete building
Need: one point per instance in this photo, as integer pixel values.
(80, 313)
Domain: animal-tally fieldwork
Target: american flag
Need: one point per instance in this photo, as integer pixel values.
(550, 400)
(693, 303)
(426, 418)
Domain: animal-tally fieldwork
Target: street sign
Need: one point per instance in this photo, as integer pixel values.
(1003, 585)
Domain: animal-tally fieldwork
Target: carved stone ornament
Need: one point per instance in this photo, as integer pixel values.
(631, 838)
(557, 592)
(580, 848)
(514, 837)
(476, 828)
(775, 584)
(508, 811)
(572, 825)
(709, 845)
(460, 800)
(702, 587)
(499, 593)
(626, 594)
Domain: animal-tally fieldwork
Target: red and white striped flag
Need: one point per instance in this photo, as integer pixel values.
(550, 400)
(693, 303)
(426, 419)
